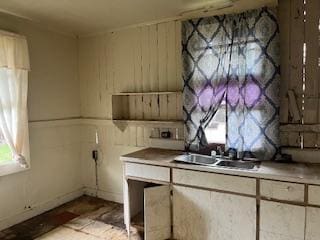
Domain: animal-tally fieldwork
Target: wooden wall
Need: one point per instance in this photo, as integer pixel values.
(141, 59)
(300, 73)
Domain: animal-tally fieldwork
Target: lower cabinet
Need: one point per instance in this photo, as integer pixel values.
(206, 215)
(159, 210)
(157, 213)
(279, 221)
(191, 214)
(147, 210)
(313, 223)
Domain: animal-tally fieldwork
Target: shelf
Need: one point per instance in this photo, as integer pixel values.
(148, 107)
(171, 123)
(167, 143)
(166, 139)
(145, 93)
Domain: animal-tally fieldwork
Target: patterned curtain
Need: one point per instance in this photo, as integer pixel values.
(233, 59)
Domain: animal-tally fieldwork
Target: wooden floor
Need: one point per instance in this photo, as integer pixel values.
(84, 218)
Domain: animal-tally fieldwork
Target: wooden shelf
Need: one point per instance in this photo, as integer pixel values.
(147, 107)
(145, 93)
(166, 139)
(171, 123)
(167, 143)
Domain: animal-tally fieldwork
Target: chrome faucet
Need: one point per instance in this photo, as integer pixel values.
(213, 154)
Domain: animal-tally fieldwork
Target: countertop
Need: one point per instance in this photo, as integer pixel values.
(291, 172)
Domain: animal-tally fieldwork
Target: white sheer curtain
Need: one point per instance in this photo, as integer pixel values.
(14, 67)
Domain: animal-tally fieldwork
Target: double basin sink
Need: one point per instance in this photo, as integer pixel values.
(204, 160)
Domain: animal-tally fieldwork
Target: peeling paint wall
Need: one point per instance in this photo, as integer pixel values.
(140, 59)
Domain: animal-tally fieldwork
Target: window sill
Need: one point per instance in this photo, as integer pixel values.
(11, 168)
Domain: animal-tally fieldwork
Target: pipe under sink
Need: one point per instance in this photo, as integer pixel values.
(198, 159)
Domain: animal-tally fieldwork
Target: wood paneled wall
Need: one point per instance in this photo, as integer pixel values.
(155, 107)
(300, 72)
(148, 59)
(141, 59)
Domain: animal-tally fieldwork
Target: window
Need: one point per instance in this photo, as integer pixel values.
(216, 130)
(232, 59)
(14, 67)
(5, 152)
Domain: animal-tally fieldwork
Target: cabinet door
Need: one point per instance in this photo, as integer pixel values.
(191, 213)
(233, 217)
(313, 224)
(279, 221)
(157, 213)
(206, 215)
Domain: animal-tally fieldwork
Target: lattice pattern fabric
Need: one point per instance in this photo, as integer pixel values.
(233, 59)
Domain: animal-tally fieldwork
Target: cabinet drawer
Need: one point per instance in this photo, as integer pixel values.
(314, 195)
(279, 221)
(215, 181)
(147, 172)
(282, 190)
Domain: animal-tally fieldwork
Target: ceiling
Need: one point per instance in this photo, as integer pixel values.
(82, 17)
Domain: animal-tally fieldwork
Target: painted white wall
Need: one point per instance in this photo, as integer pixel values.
(109, 165)
(55, 153)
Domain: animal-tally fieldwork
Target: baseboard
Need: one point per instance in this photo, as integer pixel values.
(39, 209)
(109, 196)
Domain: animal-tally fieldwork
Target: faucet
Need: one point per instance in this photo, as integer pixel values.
(219, 151)
(213, 154)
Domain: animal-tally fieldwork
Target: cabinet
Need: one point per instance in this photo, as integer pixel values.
(314, 195)
(166, 202)
(202, 214)
(157, 213)
(313, 223)
(282, 191)
(191, 213)
(147, 210)
(279, 221)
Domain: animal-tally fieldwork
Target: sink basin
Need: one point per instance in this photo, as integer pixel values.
(236, 164)
(199, 159)
(196, 159)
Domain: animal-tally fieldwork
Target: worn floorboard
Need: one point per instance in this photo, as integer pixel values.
(84, 218)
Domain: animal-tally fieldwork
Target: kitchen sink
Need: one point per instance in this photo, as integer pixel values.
(236, 164)
(196, 159)
(209, 161)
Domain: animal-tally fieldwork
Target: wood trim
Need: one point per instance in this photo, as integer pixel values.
(300, 128)
(306, 193)
(289, 202)
(214, 190)
(144, 93)
(206, 171)
(147, 180)
(258, 210)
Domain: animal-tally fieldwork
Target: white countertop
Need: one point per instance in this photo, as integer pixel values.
(291, 172)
